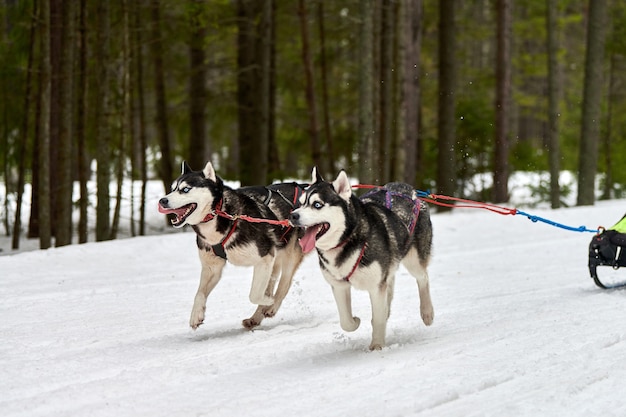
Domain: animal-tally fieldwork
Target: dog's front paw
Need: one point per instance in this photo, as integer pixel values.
(197, 317)
(351, 325)
(428, 315)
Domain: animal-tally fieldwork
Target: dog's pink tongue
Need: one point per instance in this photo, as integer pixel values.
(307, 242)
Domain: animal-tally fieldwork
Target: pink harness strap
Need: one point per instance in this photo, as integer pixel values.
(358, 261)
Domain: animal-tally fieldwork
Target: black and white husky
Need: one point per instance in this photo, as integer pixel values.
(361, 242)
(200, 199)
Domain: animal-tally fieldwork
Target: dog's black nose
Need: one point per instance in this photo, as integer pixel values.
(294, 216)
(164, 202)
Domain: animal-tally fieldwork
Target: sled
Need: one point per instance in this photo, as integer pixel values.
(608, 248)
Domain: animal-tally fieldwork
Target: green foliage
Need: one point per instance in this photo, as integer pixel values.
(475, 81)
(541, 192)
(475, 132)
(527, 157)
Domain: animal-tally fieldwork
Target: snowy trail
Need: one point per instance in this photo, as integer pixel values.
(520, 330)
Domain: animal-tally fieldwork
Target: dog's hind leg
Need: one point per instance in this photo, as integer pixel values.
(260, 281)
(290, 261)
(379, 298)
(391, 279)
(343, 298)
(417, 268)
(209, 277)
(259, 314)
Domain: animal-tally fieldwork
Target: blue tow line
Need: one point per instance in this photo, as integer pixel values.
(536, 219)
(454, 202)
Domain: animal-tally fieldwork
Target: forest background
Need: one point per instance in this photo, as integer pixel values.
(427, 92)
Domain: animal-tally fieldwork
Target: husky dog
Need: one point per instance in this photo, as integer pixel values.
(361, 242)
(200, 199)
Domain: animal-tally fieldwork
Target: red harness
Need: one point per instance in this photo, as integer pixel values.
(358, 261)
(219, 248)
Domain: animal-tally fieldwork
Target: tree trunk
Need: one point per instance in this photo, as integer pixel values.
(198, 145)
(103, 124)
(124, 112)
(141, 117)
(56, 53)
(264, 57)
(33, 220)
(411, 85)
(554, 95)
(316, 152)
(592, 100)
(503, 101)
(253, 86)
(273, 158)
(330, 147)
(446, 157)
(24, 134)
(366, 91)
(166, 163)
(607, 151)
(245, 88)
(5, 157)
(119, 176)
(63, 232)
(132, 55)
(43, 190)
(387, 104)
(81, 117)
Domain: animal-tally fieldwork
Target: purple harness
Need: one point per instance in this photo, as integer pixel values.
(389, 204)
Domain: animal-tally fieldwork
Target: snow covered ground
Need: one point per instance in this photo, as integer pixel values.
(520, 330)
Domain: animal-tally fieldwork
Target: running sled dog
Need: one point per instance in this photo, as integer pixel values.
(200, 199)
(361, 242)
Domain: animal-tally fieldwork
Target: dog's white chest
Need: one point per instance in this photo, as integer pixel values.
(350, 271)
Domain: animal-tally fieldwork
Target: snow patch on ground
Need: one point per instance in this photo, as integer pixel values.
(520, 330)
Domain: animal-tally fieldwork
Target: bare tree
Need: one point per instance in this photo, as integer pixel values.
(166, 163)
(24, 132)
(366, 90)
(503, 101)
(63, 218)
(253, 89)
(316, 151)
(198, 145)
(56, 52)
(125, 116)
(606, 143)
(81, 122)
(446, 157)
(592, 100)
(411, 85)
(330, 147)
(264, 109)
(554, 95)
(273, 158)
(387, 105)
(141, 114)
(103, 125)
(43, 189)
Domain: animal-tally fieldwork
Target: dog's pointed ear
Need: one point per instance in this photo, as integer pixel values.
(185, 169)
(209, 172)
(342, 185)
(315, 176)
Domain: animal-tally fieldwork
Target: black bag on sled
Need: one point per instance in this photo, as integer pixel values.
(608, 248)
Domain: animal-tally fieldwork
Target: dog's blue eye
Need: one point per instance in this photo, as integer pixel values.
(318, 205)
(186, 190)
